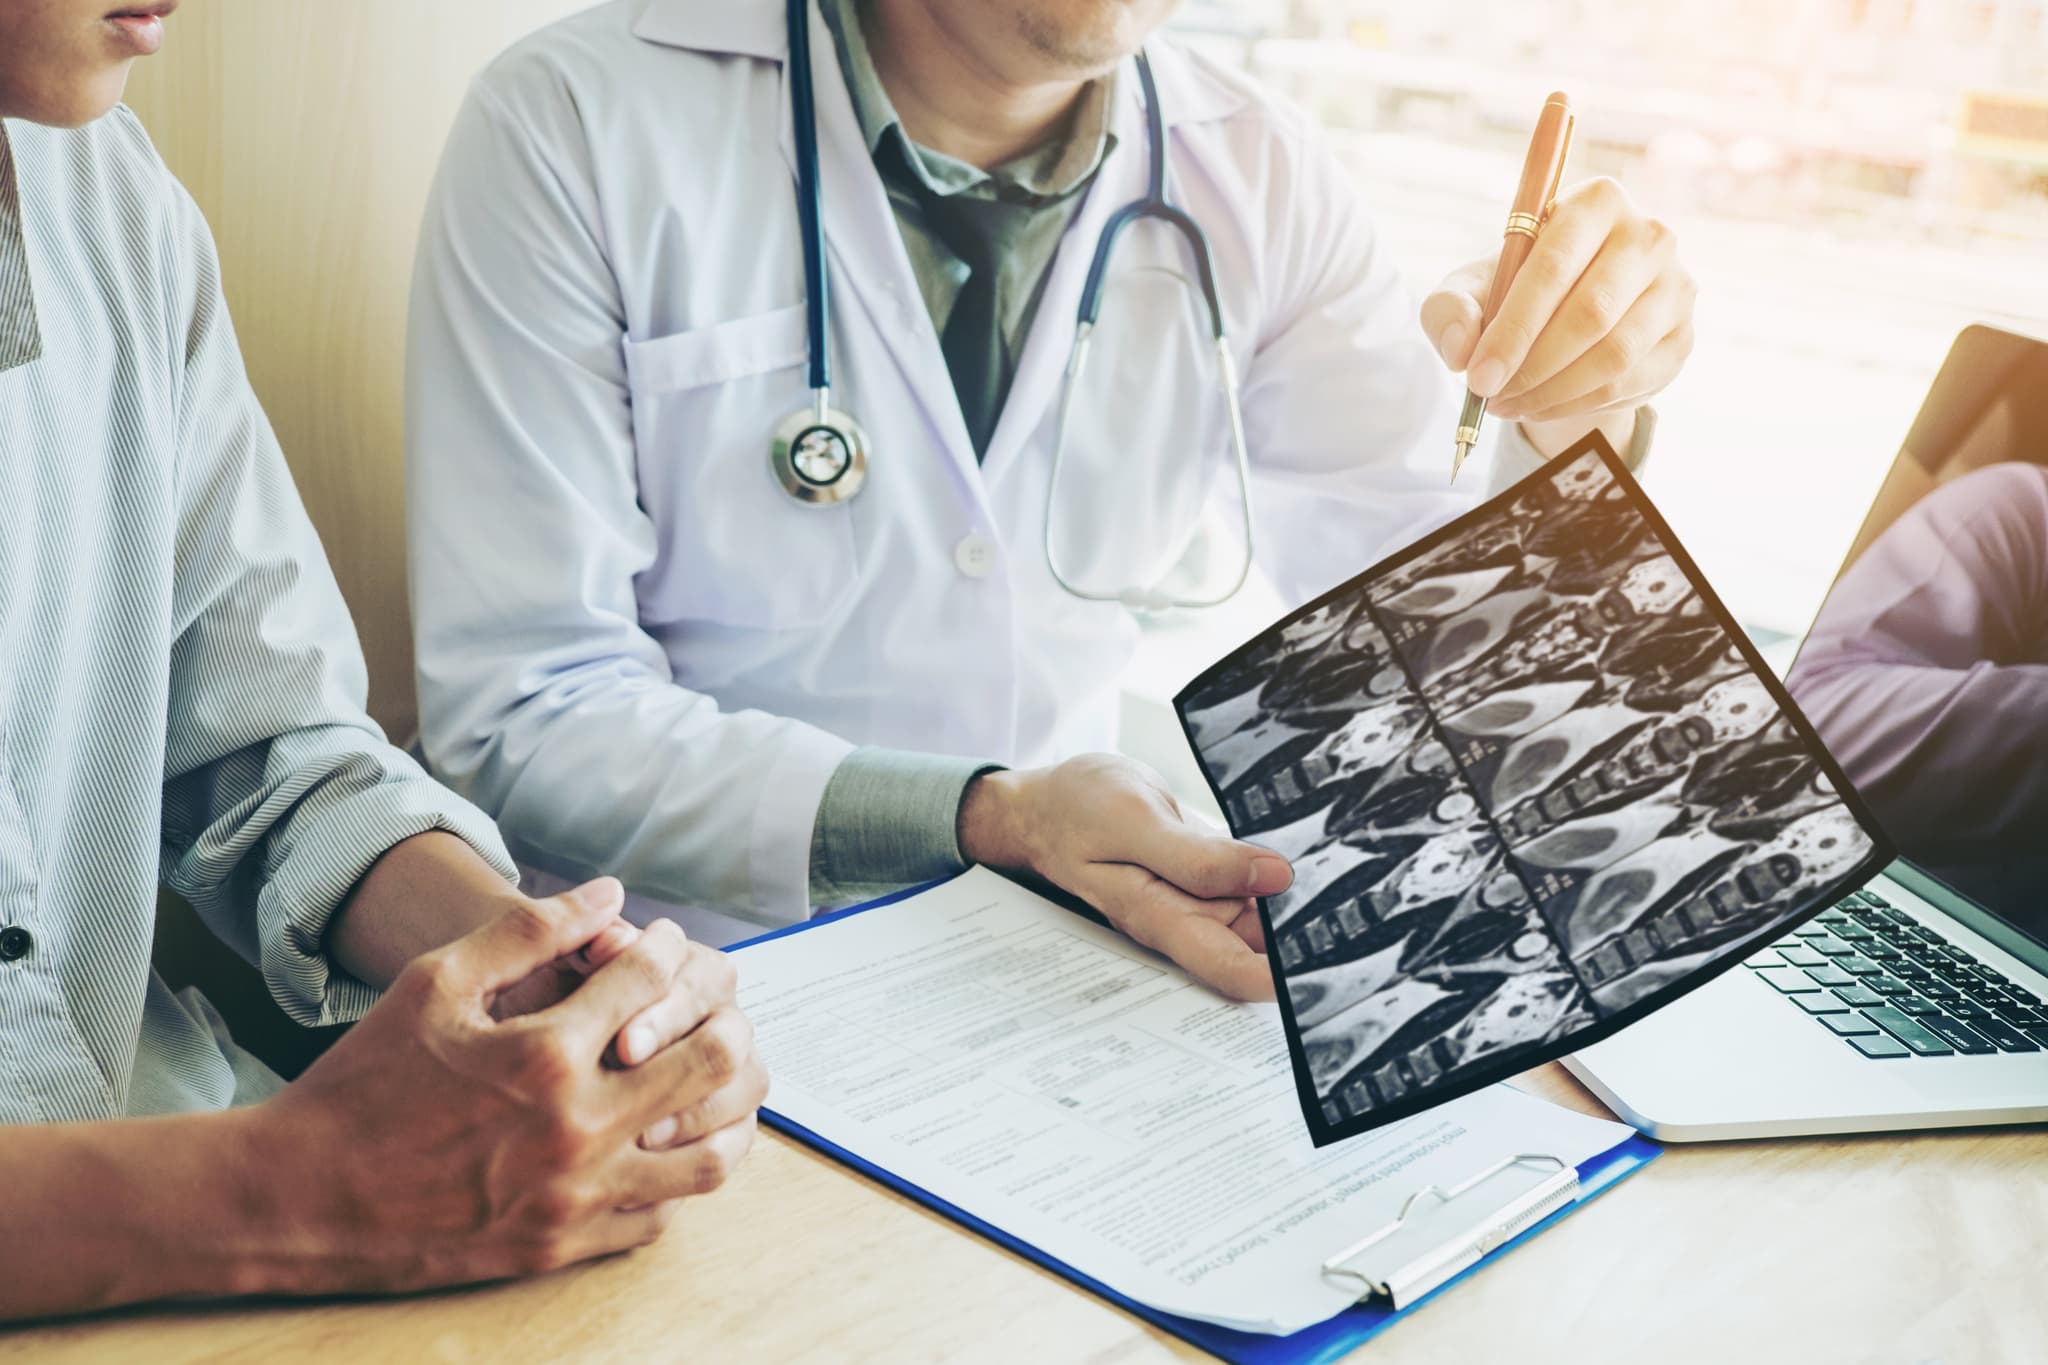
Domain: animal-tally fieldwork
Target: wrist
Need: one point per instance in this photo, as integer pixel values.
(992, 829)
(247, 1238)
(425, 892)
(1551, 439)
(203, 1192)
(284, 1226)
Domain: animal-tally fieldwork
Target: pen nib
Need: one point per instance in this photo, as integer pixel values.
(1464, 449)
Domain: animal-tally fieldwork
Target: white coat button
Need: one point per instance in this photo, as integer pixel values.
(974, 556)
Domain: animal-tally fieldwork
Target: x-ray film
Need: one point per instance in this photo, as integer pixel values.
(1535, 783)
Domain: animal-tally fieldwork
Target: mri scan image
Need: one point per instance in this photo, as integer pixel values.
(1534, 783)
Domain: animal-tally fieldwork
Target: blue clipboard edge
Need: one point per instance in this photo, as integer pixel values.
(1326, 1341)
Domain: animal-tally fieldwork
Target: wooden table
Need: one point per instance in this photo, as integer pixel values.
(1921, 1248)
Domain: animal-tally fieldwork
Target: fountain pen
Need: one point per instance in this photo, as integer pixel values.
(1542, 171)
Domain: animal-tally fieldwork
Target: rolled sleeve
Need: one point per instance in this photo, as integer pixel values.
(889, 818)
(366, 804)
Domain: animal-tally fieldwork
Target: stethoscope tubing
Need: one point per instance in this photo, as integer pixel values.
(810, 199)
(1155, 205)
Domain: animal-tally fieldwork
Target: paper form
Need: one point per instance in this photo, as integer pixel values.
(1061, 1083)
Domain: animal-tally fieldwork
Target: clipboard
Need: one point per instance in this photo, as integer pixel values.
(1440, 1238)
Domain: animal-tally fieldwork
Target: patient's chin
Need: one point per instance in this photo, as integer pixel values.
(64, 98)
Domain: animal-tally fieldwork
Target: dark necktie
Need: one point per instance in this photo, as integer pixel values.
(981, 232)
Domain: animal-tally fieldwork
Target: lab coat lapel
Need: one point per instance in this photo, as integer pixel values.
(1041, 367)
(869, 265)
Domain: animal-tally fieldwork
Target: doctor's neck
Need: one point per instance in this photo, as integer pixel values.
(987, 83)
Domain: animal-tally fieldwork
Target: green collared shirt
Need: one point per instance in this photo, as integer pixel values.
(1046, 184)
(887, 817)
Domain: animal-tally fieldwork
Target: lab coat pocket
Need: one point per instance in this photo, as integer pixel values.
(734, 548)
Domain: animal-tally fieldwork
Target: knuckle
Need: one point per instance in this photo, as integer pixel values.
(1605, 190)
(717, 1061)
(725, 974)
(1658, 234)
(546, 1254)
(1223, 873)
(1512, 340)
(660, 949)
(430, 976)
(1625, 346)
(557, 1208)
(545, 1063)
(531, 920)
(1602, 307)
(710, 1169)
(1551, 268)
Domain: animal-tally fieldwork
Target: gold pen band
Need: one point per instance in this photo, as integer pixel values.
(1468, 436)
(1524, 223)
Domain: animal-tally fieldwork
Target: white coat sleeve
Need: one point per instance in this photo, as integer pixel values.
(1348, 411)
(541, 697)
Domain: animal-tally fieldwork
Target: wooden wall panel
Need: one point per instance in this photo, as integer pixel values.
(309, 131)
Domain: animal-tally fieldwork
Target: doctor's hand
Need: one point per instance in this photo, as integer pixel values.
(1598, 321)
(1106, 829)
(438, 1143)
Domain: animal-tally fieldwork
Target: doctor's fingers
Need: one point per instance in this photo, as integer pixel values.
(1197, 934)
(1635, 266)
(705, 981)
(1249, 927)
(1630, 389)
(1575, 233)
(1205, 865)
(1451, 313)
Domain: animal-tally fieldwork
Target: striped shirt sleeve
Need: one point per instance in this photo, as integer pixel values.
(280, 792)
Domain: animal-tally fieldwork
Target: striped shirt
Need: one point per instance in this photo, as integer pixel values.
(181, 692)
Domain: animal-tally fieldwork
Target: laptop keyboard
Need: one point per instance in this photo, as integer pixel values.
(1889, 986)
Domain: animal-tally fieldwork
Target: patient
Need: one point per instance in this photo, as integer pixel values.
(181, 699)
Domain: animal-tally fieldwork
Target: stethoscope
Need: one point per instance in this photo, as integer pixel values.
(820, 454)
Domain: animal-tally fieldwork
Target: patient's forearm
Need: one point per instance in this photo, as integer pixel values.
(103, 1214)
(425, 892)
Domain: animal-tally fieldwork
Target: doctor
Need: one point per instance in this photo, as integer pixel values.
(754, 645)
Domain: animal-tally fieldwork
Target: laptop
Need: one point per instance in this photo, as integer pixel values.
(1922, 1000)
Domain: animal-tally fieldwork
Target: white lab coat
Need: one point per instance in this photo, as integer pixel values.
(633, 647)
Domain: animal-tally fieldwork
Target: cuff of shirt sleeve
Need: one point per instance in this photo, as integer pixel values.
(310, 885)
(889, 818)
(1514, 459)
(790, 804)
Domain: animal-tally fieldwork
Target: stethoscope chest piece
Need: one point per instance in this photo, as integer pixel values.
(820, 456)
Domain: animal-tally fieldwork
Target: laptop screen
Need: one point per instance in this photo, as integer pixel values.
(1926, 671)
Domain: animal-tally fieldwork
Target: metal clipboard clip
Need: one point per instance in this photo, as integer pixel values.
(1440, 1232)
